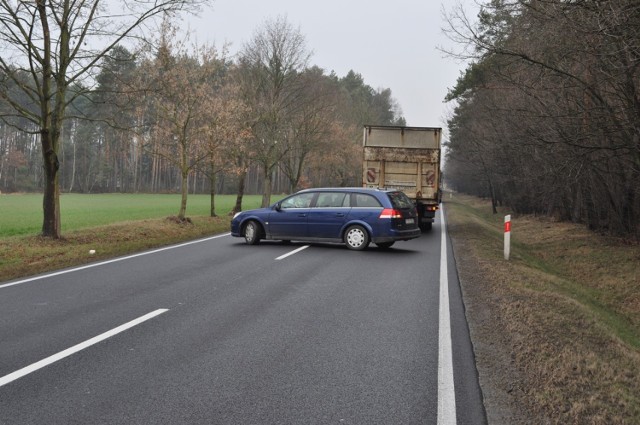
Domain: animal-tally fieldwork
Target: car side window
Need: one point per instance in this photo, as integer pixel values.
(302, 200)
(366, 201)
(330, 200)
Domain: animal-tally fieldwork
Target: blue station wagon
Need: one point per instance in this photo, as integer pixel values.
(353, 216)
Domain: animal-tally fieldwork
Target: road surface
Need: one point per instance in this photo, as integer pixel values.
(218, 332)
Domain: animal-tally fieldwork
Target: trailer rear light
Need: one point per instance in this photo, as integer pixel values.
(432, 208)
(390, 213)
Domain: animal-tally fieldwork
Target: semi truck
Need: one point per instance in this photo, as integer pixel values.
(408, 159)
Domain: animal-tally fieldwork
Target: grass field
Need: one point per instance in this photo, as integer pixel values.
(21, 214)
(109, 224)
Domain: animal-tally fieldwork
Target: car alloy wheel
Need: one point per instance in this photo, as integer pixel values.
(251, 233)
(357, 238)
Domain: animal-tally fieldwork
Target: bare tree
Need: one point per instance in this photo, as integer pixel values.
(311, 122)
(270, 67)
(567, 112)
(227, 133)
(49, 51)
(184, 85)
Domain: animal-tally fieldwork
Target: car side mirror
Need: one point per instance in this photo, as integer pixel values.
(277, 206)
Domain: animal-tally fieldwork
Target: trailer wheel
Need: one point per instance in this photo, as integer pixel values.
(426, 227)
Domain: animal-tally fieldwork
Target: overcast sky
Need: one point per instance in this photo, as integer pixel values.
(391, 44)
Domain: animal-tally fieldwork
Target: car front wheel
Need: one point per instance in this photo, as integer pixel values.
(356, 238)
(252, 233)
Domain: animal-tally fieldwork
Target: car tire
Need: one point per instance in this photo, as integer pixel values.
(356, 237)
(251, 233)
(385, 245)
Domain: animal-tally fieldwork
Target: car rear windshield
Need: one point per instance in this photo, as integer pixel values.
(400, 200)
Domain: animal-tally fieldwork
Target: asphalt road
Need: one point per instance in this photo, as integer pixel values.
(218, 332)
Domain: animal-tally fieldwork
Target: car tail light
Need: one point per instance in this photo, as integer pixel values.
(390, 213)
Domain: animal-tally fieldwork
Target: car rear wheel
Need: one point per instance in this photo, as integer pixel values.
(385, 245)
(356, 238)
(252, 233)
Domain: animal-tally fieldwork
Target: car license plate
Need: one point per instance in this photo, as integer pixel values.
(409, 221)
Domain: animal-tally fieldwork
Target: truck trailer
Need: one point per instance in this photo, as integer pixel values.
(408, 159)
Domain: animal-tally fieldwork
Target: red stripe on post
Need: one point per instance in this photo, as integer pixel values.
(507, 236)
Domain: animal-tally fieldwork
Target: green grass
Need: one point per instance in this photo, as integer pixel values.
(112, 224)
(21, 214)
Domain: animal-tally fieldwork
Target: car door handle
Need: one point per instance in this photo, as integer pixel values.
(302, 215)
(339, 215)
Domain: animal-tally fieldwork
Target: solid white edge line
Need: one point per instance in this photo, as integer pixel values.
(101, 263)
(446, 390)
(69, 351)
(295, 251)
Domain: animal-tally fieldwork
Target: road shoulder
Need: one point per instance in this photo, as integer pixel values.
(499, 378)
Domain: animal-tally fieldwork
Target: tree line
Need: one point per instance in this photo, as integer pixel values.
(169, 115)
(547, 119)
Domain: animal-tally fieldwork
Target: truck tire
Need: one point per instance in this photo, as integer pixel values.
(356, 237)
(426, 227)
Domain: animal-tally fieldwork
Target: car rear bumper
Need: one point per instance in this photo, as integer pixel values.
(398, 235)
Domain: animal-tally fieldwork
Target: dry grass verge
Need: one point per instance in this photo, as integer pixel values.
(31, 255)
(556, 330)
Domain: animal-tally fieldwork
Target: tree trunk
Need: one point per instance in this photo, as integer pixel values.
(241, 183)
(184, 186)
(266, 194)
(212, 190)
(51, 199)
(73, 164)
(494, 202)
(184, 177)
(298, 173)
(49, 135)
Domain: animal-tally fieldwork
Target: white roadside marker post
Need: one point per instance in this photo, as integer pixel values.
(507, 236)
